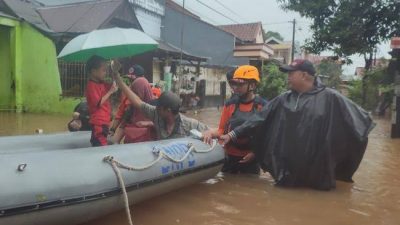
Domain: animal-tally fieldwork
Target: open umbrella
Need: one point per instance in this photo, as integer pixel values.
(107, 43)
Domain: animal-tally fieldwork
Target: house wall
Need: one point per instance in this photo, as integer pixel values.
(151, 23)
(7, 89)
(200, 39)
(206, 40)
(41, 87)
(34, 71)
(260, 38)
(212, 78)
(150, 14)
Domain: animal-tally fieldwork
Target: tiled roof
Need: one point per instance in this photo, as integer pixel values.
(245, 32)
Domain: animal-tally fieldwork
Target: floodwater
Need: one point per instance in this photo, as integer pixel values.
(373, 199)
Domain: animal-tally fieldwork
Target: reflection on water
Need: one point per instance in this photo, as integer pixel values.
(22, 123)
(374, 198)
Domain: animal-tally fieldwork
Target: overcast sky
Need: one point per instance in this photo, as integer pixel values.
(269, 13)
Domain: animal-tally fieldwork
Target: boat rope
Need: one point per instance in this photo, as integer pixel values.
(125, 195)
(161, 153)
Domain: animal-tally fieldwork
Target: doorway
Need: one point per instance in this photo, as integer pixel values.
(7, 83)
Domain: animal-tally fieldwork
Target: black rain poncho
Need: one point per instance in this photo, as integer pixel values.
(310, 139)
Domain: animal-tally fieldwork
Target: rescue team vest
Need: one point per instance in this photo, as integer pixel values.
(238, 117)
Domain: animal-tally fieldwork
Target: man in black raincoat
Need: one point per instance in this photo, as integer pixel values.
(309, 136)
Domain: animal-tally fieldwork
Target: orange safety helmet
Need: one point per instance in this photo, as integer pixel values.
(246, 72)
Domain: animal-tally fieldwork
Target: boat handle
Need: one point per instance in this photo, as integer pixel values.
(21, 167)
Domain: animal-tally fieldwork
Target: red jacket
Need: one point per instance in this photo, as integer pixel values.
(99, 114)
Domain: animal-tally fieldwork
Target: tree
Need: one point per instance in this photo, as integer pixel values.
(276, 35)
(380, 90)
(348, 27)
(274, 83)
(330, 72)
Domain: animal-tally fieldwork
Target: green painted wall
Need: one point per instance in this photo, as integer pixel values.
(7, 89)
(34, 70)
(41, 87)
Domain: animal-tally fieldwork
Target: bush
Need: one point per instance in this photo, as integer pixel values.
(273, 83)
(377, 90)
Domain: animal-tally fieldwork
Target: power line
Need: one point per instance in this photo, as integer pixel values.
(276, 23)
(230, 10)
(202, 15)
(209, 7)
(284, 22)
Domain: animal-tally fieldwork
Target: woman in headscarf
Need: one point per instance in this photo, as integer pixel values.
(135, 126)
(139, 128)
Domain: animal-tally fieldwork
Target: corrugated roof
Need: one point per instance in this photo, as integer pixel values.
(3, 14)
(80, 17)
(60, 2)
(27, 11)
(245, 32)
(167, 47)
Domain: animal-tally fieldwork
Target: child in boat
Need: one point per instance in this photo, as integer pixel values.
(97, 96)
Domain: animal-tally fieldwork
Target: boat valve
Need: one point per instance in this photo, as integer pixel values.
(21, 167)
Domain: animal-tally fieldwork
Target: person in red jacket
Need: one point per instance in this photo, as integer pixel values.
(97, 96)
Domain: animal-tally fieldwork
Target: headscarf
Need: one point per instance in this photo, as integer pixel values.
(142, 88)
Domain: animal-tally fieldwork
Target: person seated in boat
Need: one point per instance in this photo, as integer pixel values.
(130, 123)
(98, 100)
(80, 118)
(168, 122)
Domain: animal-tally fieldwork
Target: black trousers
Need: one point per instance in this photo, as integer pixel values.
(232, 165)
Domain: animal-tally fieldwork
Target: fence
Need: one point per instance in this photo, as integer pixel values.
(73, 78)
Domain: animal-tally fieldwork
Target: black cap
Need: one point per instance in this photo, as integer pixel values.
(299, 64)
(169, 100)
(229, 74)
(136, 70)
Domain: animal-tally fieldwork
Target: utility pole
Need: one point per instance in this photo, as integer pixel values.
(394, 68)
(293, 38)
(182, 28)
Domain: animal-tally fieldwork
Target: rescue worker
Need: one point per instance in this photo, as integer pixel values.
(239, 158)
(310, 135)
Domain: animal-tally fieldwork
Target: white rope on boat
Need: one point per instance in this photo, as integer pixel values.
(116, 165)
(125, 195)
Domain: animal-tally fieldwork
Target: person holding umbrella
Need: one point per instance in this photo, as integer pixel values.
(97, 96)
(94, 48)
(168, 122)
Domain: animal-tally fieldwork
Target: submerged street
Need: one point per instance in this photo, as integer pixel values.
(374, 198)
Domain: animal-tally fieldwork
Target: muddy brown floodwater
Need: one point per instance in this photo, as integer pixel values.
(373, 199)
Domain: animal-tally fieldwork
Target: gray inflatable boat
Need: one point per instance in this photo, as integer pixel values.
(60, 179)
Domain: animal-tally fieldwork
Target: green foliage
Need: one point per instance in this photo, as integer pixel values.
(355, 91)
(276, 35)
(273, 83)
(377, 89)
(348, 27)
(330, 72)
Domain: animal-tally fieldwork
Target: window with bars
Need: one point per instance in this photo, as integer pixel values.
(73, 78)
